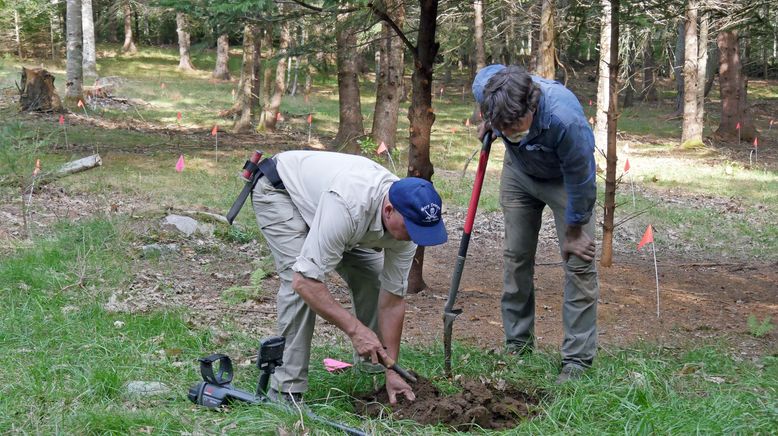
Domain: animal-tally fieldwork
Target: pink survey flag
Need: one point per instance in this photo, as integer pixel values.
(61, 120)
(756, 142)
(648, 236)
(279, 117)
(626, 166)
(590, 102)
(180, 164)
(737, 126)
(333, 365)
(178, 116)
(381, 148)
(310, 118)
(467, 122)
(215, 130)
(80, 103)
(37, 169)
(162, 85)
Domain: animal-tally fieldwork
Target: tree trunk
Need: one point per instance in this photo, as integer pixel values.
(546, 64)
(603, 87)
(129, 45)
(38, 92)
(389, 78)
(182, 29)
(612, 158)
(350, 127)
(534, 36)
(256, 84)
(678, 67)
(712, 66)
(734, 102)
(632, 83)
(691, 133)
(88, 27)
(17, 34)
(480, 51)
(421, 117)
(267, 79)
(222, 70)
(649, 67)
(243, 123)
(75, 73)
(702, 70)
(274, 104)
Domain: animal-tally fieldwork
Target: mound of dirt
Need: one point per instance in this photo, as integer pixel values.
(477, 405)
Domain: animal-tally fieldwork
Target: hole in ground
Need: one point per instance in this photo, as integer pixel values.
(483, 405)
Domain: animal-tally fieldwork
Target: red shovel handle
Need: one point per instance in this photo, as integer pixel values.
(479, 182)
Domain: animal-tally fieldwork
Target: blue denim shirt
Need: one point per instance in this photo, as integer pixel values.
(560, 143)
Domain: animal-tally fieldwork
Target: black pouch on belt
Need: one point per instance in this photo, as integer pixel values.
(253, 170)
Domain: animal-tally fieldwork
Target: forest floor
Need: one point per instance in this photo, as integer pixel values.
(713, 211)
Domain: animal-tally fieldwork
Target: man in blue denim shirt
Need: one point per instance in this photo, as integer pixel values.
(549, 160)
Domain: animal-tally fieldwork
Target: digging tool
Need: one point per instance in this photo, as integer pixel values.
(391, 364)
(449, 313)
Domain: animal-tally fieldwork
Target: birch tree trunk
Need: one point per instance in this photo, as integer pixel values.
(350, 126)
(734, 102)
(389, 78)
(691, 133)
(603, 87)
(702, 70)
(182, 29)
(274, 104)
(611, 157)
(88, 28)
(75, 73)
(546, 61)
(129, 45)
(222, 70)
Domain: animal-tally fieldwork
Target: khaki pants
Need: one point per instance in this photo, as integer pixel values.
(523, 199)
(285, 230)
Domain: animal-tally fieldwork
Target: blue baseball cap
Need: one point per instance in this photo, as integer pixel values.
(482, 78)
(420, 206)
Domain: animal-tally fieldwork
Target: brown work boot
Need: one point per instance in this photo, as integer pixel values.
(570, 372)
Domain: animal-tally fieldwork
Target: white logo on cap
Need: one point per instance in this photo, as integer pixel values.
(431, 210)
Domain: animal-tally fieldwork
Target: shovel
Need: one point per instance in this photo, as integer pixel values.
(449, 313)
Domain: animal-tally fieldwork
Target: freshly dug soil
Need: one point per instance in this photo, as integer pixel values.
(478, 405)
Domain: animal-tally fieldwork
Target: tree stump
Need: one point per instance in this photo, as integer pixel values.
(37, 92)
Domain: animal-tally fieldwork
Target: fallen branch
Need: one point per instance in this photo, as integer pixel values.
(71, 167)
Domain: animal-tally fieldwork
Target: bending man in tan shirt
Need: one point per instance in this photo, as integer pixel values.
(344, 213)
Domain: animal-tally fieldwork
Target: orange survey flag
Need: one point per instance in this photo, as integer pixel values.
(647, 237)
(626, 166)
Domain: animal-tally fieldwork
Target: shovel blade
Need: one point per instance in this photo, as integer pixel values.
(448, 327)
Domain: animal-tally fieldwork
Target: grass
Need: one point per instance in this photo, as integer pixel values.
(71, 362)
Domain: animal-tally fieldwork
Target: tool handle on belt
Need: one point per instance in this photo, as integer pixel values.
(250, 174)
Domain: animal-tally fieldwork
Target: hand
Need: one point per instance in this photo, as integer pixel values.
(396, 385)
(577, 242)
(483, 127)
(367, 344)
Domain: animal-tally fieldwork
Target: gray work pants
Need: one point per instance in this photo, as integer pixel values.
(285, 231)
(523, 199)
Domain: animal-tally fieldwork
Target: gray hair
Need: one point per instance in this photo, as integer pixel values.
(508, 96)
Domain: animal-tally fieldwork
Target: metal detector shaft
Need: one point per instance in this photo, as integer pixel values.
(449, 313)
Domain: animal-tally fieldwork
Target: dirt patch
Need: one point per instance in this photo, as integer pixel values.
(478, 405)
